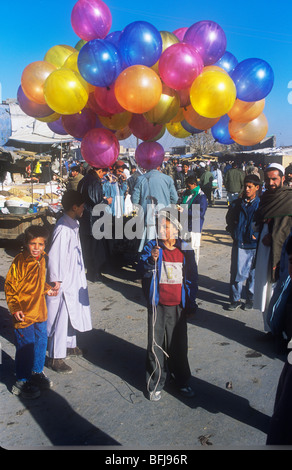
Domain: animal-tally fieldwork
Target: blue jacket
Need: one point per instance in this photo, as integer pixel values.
(155, 184)
(239, 220)
(146, 268)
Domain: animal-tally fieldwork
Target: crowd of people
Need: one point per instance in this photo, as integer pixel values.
(258, 218)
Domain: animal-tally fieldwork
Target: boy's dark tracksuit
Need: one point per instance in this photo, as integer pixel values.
(167, 326)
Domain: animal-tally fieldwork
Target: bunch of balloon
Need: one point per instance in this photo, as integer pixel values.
(143, 82)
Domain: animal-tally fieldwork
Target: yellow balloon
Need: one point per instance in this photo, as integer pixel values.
(57, 55)
(167, 40)
(166, 108)
(51, 118)
(72, 63)
(176, 130)
(116, 121)
(66, 92)
(213, 94)
(249, 133)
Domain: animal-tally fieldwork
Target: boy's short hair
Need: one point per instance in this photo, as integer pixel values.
(254, 179)
(72, 198)
(192, 179)
(289, 246)
(35, 231)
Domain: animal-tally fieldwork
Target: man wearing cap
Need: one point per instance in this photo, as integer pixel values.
(74, 177)
(274, 222)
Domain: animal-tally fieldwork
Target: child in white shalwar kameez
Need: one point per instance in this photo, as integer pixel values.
(70, 310)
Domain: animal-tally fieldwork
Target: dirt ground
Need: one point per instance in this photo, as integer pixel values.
(102, 404)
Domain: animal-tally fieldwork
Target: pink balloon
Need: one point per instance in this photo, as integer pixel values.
(179, 65)
(100, 148)
(91, 19)
(92, 104)
(180, 32)
(143, 129)
(106, 99)
(149, 155)
(79, 124)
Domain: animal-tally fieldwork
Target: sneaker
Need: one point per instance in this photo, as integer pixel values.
(187, 392)
(25, 390)
(234, 305)
(248, 305)
(74, 352)
(58, 365)
(155, 396)
(41, 380)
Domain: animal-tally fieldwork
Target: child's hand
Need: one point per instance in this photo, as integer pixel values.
(19, 316)
(155, 253)
(52, 293)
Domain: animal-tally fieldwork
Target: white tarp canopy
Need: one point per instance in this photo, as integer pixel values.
(27, 129)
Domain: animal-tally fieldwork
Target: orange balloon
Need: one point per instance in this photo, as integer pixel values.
(249, 133)
(33, 78)
(138, 89)
(244, 111)
(197, 121)
(124, 133)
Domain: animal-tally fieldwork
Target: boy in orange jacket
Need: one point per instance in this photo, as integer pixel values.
(25, 289)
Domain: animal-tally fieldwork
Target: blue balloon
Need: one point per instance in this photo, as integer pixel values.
(220, 131)
(253, 78)
(227, 62)
(99, 62)
(140, 44)
(189, 128)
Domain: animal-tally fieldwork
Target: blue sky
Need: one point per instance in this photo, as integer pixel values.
(253, 29)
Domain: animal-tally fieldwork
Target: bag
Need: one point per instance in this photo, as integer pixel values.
(215, 183)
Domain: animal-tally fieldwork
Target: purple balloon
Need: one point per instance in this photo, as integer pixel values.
(91, 19)
(79, 124)
(149, 155)
(100, 148)
(57, 127)
(209, 39)
(31, 108)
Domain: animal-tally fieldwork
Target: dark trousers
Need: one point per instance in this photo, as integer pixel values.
(167, 331)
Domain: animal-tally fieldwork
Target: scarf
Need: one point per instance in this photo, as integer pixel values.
(194, 192)
(273, 205)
